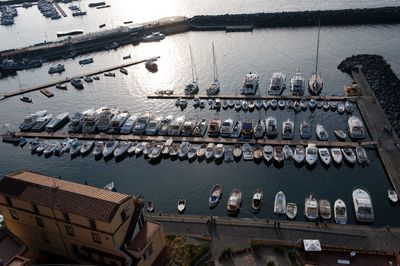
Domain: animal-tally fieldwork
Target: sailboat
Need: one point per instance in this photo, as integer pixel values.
(315, 83)
(192, 87)
(213, 87)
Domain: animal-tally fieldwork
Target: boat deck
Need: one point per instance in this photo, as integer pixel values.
(250, 97)
(231, 141)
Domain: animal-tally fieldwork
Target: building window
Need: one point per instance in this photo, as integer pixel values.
(123, 215)
(9, 202)
(14, 214)
(39, 221)
(92, 224)
(70, 230)
(96, 238)
(45, 238)
(66, 216)
(75, 249)
(35, 208)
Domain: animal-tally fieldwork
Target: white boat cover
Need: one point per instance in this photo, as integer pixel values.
(312, 245)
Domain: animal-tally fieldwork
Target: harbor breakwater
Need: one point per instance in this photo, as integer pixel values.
(382, 80)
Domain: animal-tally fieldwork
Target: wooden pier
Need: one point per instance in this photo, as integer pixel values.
(251, 97)
(59, 9)
(227, 141)
(380, 129)
(53, 83)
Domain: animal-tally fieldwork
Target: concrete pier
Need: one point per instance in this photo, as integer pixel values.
(251, 97)
(62, 12)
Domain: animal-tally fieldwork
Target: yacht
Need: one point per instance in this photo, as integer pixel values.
(363, 205)
(210, 149)
(271, 127)
(128, 125)
(362, 156)
(31, 119)
(76, 122)
(311, 208)
(336, 155)
(215, 196)
(214, 128)
(226, 128)
(305, 130)
(193, 86)
(287, 129)
(259, 129)
(321, 132)
(250, 84)
(349, 155)
(280, 203)
(164, 125)
(297, 84)
(188, 127)
(247, 152)
(291, 210)
(90, 122)
(315, 83)
(277, 84)
(299, 154)
(214, 87)
(247, 128)
(141, 124)
(278, 154)
(175, 126)
(257, 200)
(181, 205)
(109, 148)
(311, 154)
(236, 129)
(219, 151)
(268, 153)
(153, 126)
(117, 122)
(325, 156)
(356, 128)
(200, 128)
(340, 212)
(154, 36)
(57, 69)
(41, 122)
(105, 116)
(77, 83)
(234, 202)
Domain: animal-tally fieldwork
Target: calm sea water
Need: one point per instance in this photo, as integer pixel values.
(263, 51)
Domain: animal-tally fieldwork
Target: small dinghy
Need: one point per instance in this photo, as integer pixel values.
(336, 155)
(215, 196)
(291, 210)
(349, 155)
(299, 154)
(280, 203)
(150, 206)
(340, 212)
(181, 205)
(340, 135)
(268, 153)
(324, 156)
(257, 200)
(392, 195)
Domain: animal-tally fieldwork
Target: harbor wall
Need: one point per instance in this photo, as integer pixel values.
(382, 80)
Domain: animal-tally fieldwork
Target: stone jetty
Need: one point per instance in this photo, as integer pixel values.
(382, 80)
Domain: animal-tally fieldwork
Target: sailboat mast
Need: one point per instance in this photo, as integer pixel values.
(191, 61)
(316, 60)
(214, 64)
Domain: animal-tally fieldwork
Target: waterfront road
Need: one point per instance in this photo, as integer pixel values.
(236, 233)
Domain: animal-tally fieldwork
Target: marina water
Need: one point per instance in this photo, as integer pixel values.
(263, 51)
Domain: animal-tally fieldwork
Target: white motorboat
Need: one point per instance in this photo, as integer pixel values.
(90, 122)
(341, 108)
(42, 146)
(305, 130)
(238, 105)
(166, 147)
(215, 196)
(122, 148)
(281, 104)
(325, 156)
(299, 154)
(87, 146)
(196, 101)
(311, 208)
(156, 151)
(349, 155)
(76, 122)
(75, 147)
(210, 150)
(245, 105)
(105, 116)
(312, 104)
(237, 151)
(150, 206)
(201, 151)
(334, 105)
(175, 126)
(280, 203)
(117, 121)
(362, 156)
(50, 148)
(311, 154)
(356, 128)
(184, 149)
(228, 156)
(363, 205)
(325, 210)
(164, 125)
(214, 87)
(34, 144)
(287, 152)
(193, 151)
(259, 104)
(340, 212)
(266, 104)
(57, 122)
(259, 129)
(247, 151)
(271, 127)
(174, 149)
(77, 83)
(336, 155)
(348, 106)
(109, 148)
(252, 105)
(31, 119)
(257, 200)
(291, 210)
(287, 129)
(257, 152)
(181, 205)
(226, 128)
(326, 105)
(214, 127)
(392, 195)
(303, 103)
(278, 154)
(148, 147)
(41, 123)
(297, 106)
(322, 134)
(234, 202)
(153, 125)
(56, 69)
(236, 129)
(268, 153)
(188, 127)
(219, 151)
(98, 148)
(274, 104)
(340, 135)
(277, 84)
(297, 84)
(250, 84)
(154, 36)
(128, 125)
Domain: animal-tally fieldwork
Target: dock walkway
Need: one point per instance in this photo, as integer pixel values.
(59, 9)
(53, 83)
(236, 233)
(251, 97)
(376, 122)
(228, 141)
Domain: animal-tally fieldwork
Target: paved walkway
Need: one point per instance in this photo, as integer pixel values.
(236, 233)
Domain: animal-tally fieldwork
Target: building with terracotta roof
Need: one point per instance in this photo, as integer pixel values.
(67, 222)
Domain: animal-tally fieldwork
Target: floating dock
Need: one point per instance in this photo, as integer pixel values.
(62, 12)
(251, 97)
(227, 141)
(47, 93)
(51, 84)
(380, 129)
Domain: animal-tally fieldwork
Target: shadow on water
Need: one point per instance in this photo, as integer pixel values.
(121, 158)
(155, 161)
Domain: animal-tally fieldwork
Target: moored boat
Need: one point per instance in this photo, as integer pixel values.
(322, 134)
(325, 209)
(362, 156)
(234, 202)
(57, 122)
(311, 154)
(324, 156)
(280, 203)
(340, 135)
(336, 155)
(291, 210)
(349, 155)
(299, 154)
(287, 129)
(356, 128)
(278, 154)
(257, 200)
(237, 151)
(268, 153)
(363, 205)
(340, 212)
(181, 205)
(311, 208)
(247, 151)
(109, 148)
(392, 195)
(210, 149)
(215, 196)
